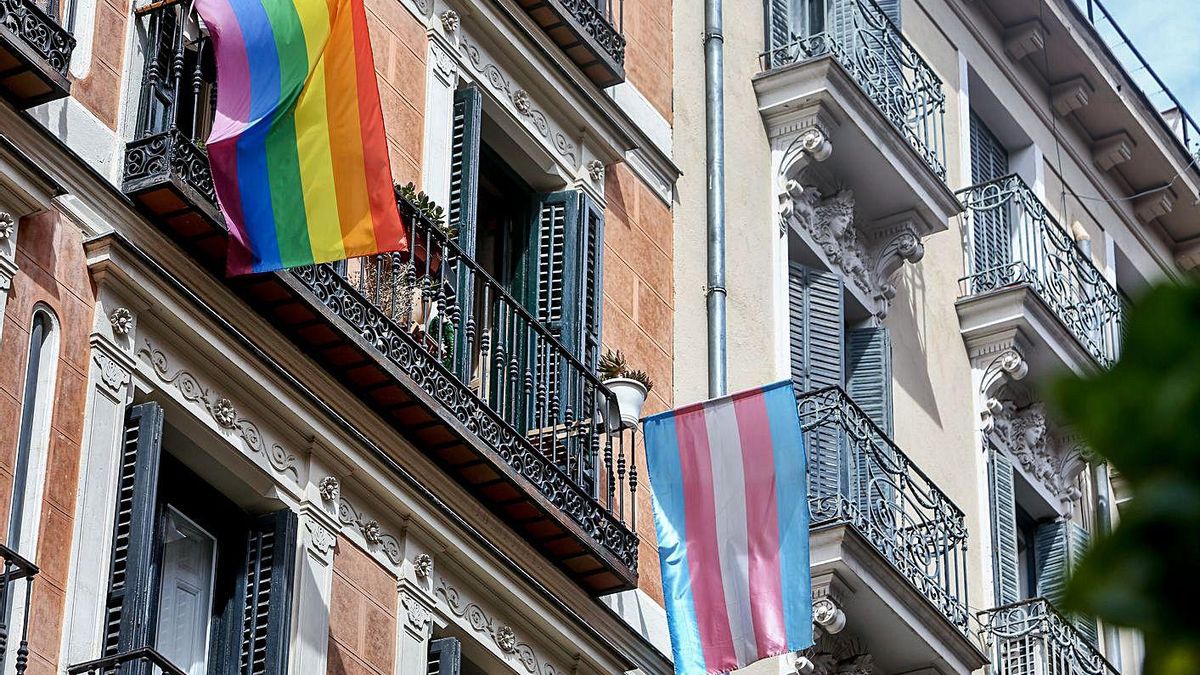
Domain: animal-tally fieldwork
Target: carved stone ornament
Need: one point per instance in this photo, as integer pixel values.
(595, 169)
(112, 374)
(220, 409)
(423, 565)
(504, 636)
(450, 21)
(828, 615)
(831, 655)
(1054, 460)
(321, 538)
(121, 320)
(828, 222)
(7, 225)
(520, 99)
(372, 532)
(418, 617)
(329, 488)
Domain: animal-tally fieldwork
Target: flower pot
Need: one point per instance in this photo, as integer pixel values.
(631, 396)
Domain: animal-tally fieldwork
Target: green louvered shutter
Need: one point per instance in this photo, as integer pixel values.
(445, 657)
(1005, 561)
(869, 385)
(267, 594)
(556, 291)
(591, 276)
(992, 228)
(1058, 546)
(817, 335)
(465, 124)
(134, 565)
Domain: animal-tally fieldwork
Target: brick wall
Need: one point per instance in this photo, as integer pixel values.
(53, 271)
(639, 294)
(362, 614)
(649, 53)
(399, 43)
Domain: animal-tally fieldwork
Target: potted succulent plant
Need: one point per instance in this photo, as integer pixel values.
(629, 386)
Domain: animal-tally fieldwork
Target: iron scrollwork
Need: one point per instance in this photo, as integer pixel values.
(167, 154)
(1032, 632)
(596, 23)
(40, 31)
(859, 477)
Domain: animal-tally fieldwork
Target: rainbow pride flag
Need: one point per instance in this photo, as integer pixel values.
(731, 515)
(298, 152)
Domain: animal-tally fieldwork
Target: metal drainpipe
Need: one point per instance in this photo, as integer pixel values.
(714, 120)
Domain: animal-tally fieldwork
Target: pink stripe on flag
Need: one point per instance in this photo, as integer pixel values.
(762, 520)
(704, 563)
(233, 69)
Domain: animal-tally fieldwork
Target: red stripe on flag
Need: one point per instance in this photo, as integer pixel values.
(704, 563)
(762, 522)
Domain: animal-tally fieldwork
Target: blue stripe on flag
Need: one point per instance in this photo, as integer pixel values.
(662, 459)
(791, 490)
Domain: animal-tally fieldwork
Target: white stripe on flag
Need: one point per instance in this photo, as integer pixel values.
(729, 494)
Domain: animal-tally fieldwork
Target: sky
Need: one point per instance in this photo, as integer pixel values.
(1167, 33)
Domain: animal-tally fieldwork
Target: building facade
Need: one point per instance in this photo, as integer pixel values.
(412, 463)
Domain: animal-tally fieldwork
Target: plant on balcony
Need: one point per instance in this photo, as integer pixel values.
(428, 208)
(629, 386)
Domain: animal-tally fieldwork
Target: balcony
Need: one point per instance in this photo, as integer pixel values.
(428, 339)
(887, 545)
(1096, 78)
(15, 568)
(141, 661)
(864, 89)
(1028, 280)
(1031, 638)
(35, 53)
(588, 32)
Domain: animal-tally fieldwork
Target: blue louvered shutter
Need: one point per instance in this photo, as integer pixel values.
(1005, 559)
(267, 594)
(891, 9)
(134, 566)
(816, 327)
(1058, 546)
(992, 228)
(445, 657)
(779, 18)
(869, 373)
(869, 385)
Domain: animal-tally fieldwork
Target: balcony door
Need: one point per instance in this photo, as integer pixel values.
(992, 224)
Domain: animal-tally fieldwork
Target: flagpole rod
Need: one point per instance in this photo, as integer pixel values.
(714, 117)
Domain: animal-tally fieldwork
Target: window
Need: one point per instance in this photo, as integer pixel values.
(191, 573)
(29, 472)
(792, 20)
(992, 228)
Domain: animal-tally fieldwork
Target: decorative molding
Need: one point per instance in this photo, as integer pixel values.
(330, 489)
(320, 537)
(423, 565)
(1005, 368)
(450, 21)
(1024, 39)
(834, 655)
(1054, 460)
(595, 169)
(518, 100)
(1070, 95)
(504, 637)
(8, 225)
(121, 320)
(418, 616)
(1113, 150)
(829, 593)
(113, 374)
(372, 532)
(1155, 204)
(220, 409)
(424, 6)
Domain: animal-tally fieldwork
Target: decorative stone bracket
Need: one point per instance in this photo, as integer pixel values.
(1051, 457)
(866, 264)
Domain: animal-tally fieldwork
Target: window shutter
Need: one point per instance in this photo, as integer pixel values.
(133, 567)
(780, 24)
(1058, 546)
(267, 594)
(869, 373)
(1006, 579)
(891, 9)
(591, 276)
(556, 289)
(816, 328)
(464, 165)
(445, 657)
(992, 227)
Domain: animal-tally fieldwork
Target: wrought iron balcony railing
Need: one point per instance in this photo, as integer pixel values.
(1015, 240)
(141, 661)
(30, 37)
(1031, 638)
(15, 569)
(434, 313)
(885, 66)
(588, 31)
(858, 477)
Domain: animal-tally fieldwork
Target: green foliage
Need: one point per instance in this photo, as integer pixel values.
(428, 208)
(1143, 417)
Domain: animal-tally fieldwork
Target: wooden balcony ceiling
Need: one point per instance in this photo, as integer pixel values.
(588, 39)
(395, 394)
(34, 53)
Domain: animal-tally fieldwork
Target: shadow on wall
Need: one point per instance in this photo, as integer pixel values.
(909, 324)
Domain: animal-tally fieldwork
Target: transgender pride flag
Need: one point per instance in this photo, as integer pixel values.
(731, 513)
